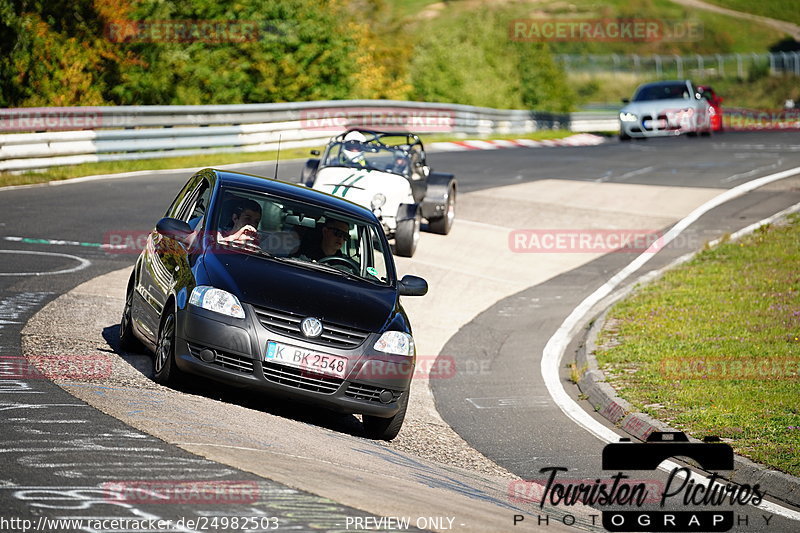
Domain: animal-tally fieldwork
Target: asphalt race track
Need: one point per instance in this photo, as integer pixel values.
(490, 312)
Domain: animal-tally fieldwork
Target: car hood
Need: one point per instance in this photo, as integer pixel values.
(655, 106)
(264, 282)
(361, 185)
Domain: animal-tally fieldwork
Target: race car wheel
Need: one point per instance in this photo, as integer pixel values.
(407, 236)
(442, 225)
(624, 137)
(387, 428)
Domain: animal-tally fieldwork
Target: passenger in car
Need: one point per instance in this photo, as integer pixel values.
(245, 218)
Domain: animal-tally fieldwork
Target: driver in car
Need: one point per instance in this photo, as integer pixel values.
(333, 236)
(353, 150)
(400, 163)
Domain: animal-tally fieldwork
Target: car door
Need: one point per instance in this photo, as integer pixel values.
(166, 260)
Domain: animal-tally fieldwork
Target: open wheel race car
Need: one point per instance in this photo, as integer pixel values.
(388, 174)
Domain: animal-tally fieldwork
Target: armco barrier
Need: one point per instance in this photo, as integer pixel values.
(43, 137)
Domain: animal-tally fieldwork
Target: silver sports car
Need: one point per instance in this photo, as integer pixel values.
(664, 108)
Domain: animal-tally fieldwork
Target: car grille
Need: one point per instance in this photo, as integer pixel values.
(288, 324)
(225, 359)
(300, 379)
(368, 393)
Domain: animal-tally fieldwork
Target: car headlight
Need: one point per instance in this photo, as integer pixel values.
(396, 342)
(627, 117)
(216, 300)
(377, 201)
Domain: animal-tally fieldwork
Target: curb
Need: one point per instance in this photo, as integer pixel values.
(605, 401)
(581, 139)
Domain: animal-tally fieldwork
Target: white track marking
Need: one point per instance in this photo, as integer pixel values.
(82, 263)
(557, 344)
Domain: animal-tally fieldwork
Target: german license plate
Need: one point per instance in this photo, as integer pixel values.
(305, 359)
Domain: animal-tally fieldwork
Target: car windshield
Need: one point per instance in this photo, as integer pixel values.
(308, 235)
(662, 92)
(367, 155)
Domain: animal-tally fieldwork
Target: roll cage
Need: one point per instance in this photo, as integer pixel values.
(377, 141)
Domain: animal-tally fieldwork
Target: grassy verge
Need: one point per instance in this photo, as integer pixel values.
(776, 9)
(713, 348)
(209, 160)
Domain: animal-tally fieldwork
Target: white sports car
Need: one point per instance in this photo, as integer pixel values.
(387, 173)
(665, 108)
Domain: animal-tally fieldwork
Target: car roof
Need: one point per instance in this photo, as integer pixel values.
(292, 191)
(663, 83)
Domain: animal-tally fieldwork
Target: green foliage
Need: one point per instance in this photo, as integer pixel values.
(470, 59)
(116, 52)
(302, 51)
(52, 54)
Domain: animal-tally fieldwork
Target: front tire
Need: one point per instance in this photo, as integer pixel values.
(442, 225)
(387, 428)
(407, 236)
(165, 372)
(624, 136)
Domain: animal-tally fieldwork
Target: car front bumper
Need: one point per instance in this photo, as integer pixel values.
(372, 384)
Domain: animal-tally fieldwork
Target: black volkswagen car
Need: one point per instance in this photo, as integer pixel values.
(272, 286)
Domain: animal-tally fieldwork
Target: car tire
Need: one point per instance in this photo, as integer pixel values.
(407, 236)
(164, 370)
(443, 224)
(624, 137)
(127, 340)
(378, 428)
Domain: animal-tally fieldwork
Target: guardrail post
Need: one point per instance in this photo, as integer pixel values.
(721, 63)
(659, 72)
(679, 65)
(739, 67)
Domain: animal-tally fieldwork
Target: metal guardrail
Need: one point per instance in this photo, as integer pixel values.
(44, 137)
(680, 66)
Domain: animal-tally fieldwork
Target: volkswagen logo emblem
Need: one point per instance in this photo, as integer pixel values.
(311, 327)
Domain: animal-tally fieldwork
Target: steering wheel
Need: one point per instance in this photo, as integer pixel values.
(334, 260)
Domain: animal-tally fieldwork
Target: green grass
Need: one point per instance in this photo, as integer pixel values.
(211, 160)
(732, 308)
(788, 10)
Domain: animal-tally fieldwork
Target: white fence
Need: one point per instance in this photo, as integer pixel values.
(44, 137)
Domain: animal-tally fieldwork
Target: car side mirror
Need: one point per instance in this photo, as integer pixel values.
(314, 152)
(626, 100)
(174, 229)
(412, 286)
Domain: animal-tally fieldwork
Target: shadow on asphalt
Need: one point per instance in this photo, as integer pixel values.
(201, 386)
